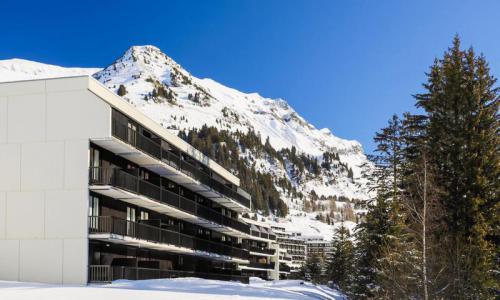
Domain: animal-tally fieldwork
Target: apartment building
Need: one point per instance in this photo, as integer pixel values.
(295, 251)
(263, 252)
(285, 261)
(319, 247)
(92, 190)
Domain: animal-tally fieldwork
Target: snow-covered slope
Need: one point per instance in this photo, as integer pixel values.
(181, 288)
(162, 89)
(173, 97)
(20, 69)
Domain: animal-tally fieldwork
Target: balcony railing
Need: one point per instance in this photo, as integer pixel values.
(261, 250)
(106, 273)
(284, 268)
(113, 225)
(120, 178)
(261, 265)
(131, 137)
(263, 235)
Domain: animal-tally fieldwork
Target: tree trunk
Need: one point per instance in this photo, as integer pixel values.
(424, 234)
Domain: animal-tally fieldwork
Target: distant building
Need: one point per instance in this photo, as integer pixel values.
(264, 254)
(293, 249)
(319, 247)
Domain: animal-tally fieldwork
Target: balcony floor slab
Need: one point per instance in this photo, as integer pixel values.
(129, 241)
(142, 201)
(162, 168)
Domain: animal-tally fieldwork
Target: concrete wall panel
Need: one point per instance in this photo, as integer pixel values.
(66, 214)
(77, 115)
(41, 261)
(25, 215)
(76, 164)
(26, 121)
(75, 261)
(22, 88)
(10, 171)
(69, 84)
(9, 260)
(3, 120)
(42, 166)
(3, 214)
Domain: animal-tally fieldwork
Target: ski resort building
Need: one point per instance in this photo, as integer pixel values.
(264, 254)
(92, 190)
(319, 247)
(293, 254)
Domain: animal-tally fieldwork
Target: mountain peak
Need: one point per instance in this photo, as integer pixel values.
(179, 101)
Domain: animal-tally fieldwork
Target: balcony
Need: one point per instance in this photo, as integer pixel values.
(117, 228)
(266, 251)
(284, 268)
(106, 274)
(118, 178)
(256, 265)
(263, 235)
(155, 150)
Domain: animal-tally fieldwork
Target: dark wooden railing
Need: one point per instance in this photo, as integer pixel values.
(106, 273)
(261, 250)
(146, 232)
(263, 235)
(129, 182)
(261, 265)
(153, 148)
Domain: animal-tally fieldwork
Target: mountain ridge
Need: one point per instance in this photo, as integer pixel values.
(179, 101)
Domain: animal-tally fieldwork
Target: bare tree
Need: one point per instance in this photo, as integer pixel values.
(423, 209)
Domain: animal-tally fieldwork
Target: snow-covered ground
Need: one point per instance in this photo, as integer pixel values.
(307, 225)
(168, 289)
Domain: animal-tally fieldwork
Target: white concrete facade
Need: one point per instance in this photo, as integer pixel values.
(45, 130)
(45, 126)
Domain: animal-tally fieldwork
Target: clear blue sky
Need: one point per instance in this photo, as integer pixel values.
(347, 65)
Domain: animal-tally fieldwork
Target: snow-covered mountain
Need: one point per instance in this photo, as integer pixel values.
(170, 95)
(20, 69)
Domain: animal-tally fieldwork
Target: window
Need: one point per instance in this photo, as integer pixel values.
(131, 220)
(95, 163)
(130, 214)
(144, 175)
(93, 206)
(131, 133)
(93, 212)
(144, 215)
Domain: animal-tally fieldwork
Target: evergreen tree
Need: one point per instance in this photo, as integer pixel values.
(122, 91)
(314, 268)
(378, 266)
(341, 259)
(370, 237)
(461, 103)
